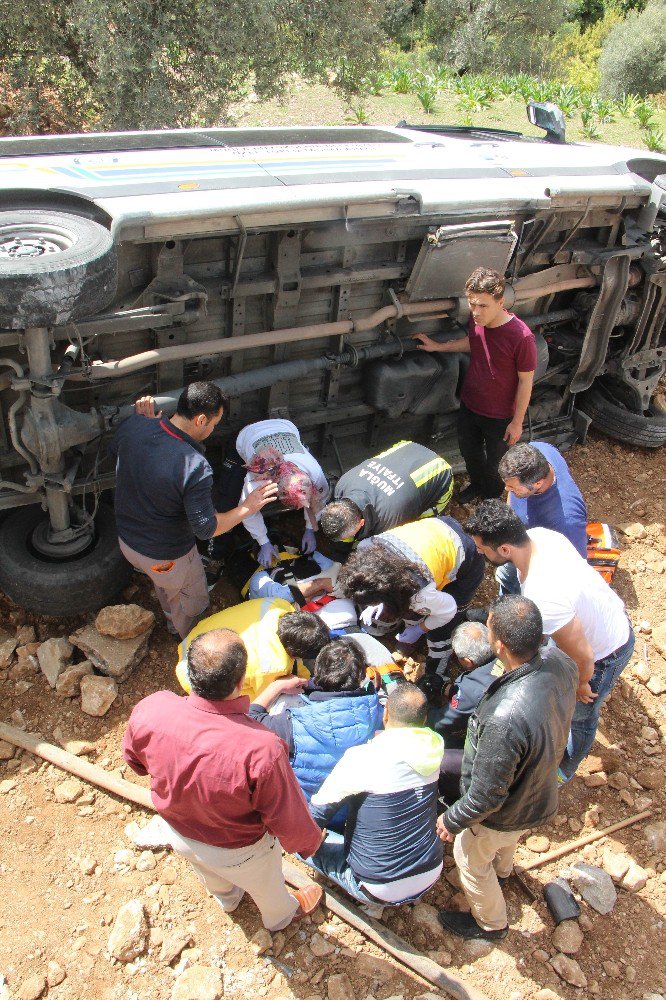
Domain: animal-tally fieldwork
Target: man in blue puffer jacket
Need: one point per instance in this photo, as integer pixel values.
(339, 709)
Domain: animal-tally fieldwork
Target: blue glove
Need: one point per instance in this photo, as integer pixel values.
(370, 614)
(411, 635)
(308, 542)
(268, 554)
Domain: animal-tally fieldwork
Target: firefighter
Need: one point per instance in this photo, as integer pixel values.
(403, 484)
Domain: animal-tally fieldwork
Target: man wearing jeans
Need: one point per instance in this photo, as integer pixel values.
(224, 785)
(390, 853)
(498, 384)
(163, 498)
(583, 616)
(515, 740)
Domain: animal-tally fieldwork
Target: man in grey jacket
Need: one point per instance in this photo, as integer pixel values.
(515, 741)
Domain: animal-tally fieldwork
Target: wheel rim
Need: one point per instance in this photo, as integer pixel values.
(19, 240)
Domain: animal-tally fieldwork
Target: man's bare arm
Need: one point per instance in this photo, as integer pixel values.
(251, 505)
(523, 394)
(571, 640)
(426, 343)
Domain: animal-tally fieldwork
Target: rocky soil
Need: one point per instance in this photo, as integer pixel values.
(83, 913)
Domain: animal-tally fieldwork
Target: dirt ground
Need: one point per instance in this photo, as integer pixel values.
(62, 880)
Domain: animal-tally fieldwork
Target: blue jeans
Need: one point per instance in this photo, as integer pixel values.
(586, 717)
(331, 861)
(507, 579)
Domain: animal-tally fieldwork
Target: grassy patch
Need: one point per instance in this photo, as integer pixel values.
(321, 105)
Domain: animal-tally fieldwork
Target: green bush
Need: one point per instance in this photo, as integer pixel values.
(634, 56)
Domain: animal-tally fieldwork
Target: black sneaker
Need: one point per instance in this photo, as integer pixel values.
(468, 494)
(465, 926)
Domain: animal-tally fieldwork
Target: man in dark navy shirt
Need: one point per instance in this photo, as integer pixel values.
(163, 498)
(543, 494)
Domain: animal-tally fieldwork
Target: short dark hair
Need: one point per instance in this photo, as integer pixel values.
(376, 574)
(486, 281)
(340, 518)
(525, 463)
(340, 666)
(407, 705)
(216, 663)
(201, 397)
(303, 634)
(516, 621)
(496, 524)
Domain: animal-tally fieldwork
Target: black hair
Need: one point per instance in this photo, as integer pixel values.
(407, 705)
(524, 463)
(516, 621)
(496, 524)
(201, 397)
(340, 666)
(303, 634)
(375, 574)
(340, 518)
(216, 663)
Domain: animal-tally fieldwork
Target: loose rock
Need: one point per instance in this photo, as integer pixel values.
(568, 937)
(129, 935)
(124, 621)
(340, 988)
(611, 969)
(68, 791)
(569, 970)
(97, 694)
(424, 916)
(655, 835)
(372, 967)
(633, 530)
(635, 879)
(642, 672)
(656, 686)
(173, 943)
(546, 994)
(320, 946)
(68, 683)
(538, 844)
(199, 982)
(618, 779)
(651, 778)
(55, 974)
(113, 657)
(261, 941)
(8, 644)
(595, 886)
(7, 750)
(32, 988)
(617, 865)
(659, 638)
(596, 780)
(53, 656)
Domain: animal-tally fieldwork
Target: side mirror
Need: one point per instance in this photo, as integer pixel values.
(548, 117)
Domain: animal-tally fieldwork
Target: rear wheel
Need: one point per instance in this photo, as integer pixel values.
(84, 582)
(647, 430)
(55, 268)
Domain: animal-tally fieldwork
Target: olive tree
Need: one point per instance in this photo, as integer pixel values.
(492, 34)
(142, 63)
(633, 60)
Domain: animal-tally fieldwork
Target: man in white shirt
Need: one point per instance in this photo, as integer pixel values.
(272, 451)
(580, 612)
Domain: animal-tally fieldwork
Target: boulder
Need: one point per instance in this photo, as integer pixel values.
(595, 886)
(199, 982)
(129, 934)
(68, 683)
(114, 657)
(568, 937)
(97, 694)
(569, 970)
(124, 621)
(53, 656)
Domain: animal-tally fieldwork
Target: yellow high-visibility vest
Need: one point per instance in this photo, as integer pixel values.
(256, 623)
(434, 543)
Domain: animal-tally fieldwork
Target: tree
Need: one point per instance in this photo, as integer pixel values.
(128, 64)
(633, 60)
(492, 34)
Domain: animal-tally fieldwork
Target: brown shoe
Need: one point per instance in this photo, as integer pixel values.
(308, 898)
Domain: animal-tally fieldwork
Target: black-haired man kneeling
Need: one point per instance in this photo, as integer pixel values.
(515, 741)
(223, 784)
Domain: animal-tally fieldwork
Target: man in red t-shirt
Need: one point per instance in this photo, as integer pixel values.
(498, 384)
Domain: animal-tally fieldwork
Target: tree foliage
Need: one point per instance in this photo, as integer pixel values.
(478, 35)
(128, 64)
(576, 50)
(633, 59)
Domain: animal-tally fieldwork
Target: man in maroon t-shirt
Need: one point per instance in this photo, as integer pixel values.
(498, 384)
